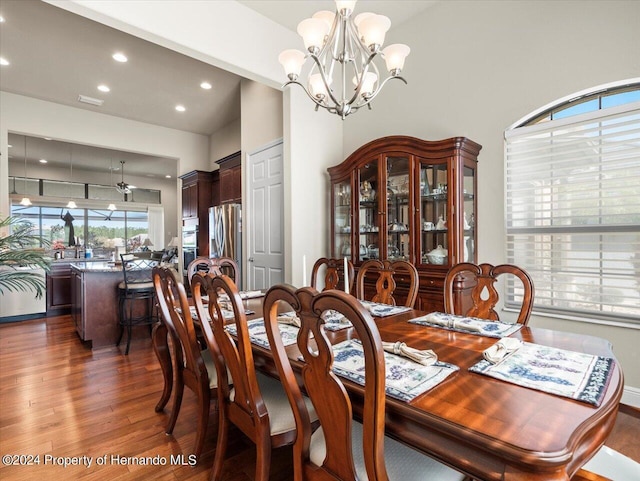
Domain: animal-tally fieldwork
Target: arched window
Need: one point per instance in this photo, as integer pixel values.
(573, 204)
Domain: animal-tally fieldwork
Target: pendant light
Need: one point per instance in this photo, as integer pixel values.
(71, 204)
(26, 202)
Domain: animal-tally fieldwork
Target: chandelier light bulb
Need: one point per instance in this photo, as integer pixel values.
(368, 84)
(317, 86)
(373, 29)
(326, 16)
(360, 17)
(313, 32)
(394, 57)
(292, 61)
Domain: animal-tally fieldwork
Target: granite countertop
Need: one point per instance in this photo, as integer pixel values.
(96, 266)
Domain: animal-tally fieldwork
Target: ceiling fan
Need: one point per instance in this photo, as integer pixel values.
(122, 186)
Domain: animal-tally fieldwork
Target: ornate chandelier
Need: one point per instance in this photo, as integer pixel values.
(343, 49)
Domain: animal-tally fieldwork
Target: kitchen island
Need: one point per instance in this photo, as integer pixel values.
(94, 302)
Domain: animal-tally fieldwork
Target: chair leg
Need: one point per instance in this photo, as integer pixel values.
(221, 443)
(161, 348)
(204, 405)
(177, 402)
(263, 458)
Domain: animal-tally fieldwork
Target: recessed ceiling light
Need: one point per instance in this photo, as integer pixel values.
(205, 85)
(103, 88)
(3, 61)
(168, 176)
(119, 57)
(43, 161)
(180, 108)
(1, 19)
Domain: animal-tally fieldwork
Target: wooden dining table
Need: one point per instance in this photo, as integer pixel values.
(487, 428)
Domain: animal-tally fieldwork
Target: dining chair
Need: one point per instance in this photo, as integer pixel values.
(341, 448)
(195, 368)
(135, 296)
(385, 283)
(257, 404)
(216, 265)
(333, 273)
(484, 295)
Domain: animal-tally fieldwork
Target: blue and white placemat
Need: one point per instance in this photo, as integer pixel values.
(575, 375)
(470, 325)
(405, 379)
(383, 310)
(258, 333)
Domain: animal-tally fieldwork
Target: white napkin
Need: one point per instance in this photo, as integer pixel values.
(426, 357)
(451, 321)
(501, 349)
(289, 319)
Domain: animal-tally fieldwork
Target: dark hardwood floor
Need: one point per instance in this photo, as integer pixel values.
(60, 399)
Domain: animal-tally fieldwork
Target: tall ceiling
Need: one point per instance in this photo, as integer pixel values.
(56, 55)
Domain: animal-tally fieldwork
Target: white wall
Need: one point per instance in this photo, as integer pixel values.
(30, 116)
(223, 142)
(476, 67)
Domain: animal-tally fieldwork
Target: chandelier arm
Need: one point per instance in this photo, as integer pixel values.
(365, 70)
(324, 80)
(295, 82)
(374, 94)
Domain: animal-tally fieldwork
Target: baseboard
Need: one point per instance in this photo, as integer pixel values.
(631, 397)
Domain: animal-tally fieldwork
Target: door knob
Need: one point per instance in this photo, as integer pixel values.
(250, 259)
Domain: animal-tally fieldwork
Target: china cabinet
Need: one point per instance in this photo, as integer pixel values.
(401, 197)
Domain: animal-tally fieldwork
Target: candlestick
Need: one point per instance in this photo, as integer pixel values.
(304, 270)
(346, 276)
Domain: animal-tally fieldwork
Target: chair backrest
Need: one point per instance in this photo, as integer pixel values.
(326, 391)
(174, 306)
(248, 406)
(386, 284)
(333, 274)
(216, 265)
(136, 270)
(484, 295)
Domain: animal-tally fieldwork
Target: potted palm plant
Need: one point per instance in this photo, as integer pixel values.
(17, 249)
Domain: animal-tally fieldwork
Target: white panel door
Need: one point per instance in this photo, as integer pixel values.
(266, 229)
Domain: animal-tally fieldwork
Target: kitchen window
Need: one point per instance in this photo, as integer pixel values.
(573, 206)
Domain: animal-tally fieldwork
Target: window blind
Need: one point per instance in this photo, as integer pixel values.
(573, 213)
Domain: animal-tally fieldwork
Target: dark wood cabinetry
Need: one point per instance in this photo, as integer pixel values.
(401, 197)
(197, 195)
(59, 289)
(231, 179)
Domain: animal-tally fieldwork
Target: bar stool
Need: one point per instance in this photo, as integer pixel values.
(136, 288)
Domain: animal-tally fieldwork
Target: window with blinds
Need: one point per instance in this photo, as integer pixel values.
(573, 212)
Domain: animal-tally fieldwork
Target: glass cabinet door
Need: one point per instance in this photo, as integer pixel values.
(398, 195)
(342, 218)
(368, 240)
(469, 215)
(434, 232)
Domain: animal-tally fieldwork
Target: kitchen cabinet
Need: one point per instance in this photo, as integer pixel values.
(231, 179)
(400, 197)
(197, 195)
(59, 289)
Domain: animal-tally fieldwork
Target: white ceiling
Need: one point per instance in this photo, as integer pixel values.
(290, 13)
(56, 55)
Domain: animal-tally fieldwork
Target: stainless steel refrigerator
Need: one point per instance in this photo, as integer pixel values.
(225, 233)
